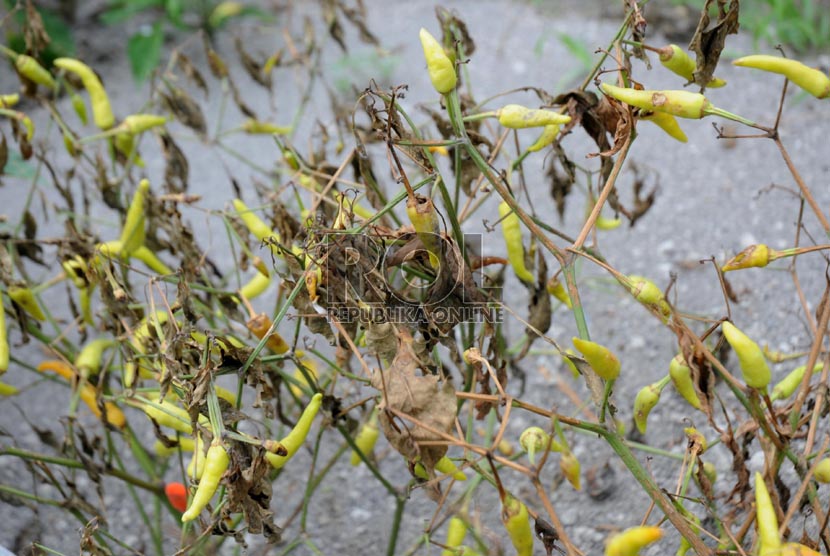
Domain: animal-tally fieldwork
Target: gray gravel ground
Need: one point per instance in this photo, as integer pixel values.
(715, 197)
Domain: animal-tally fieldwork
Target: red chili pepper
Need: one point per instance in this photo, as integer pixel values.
(176, 495)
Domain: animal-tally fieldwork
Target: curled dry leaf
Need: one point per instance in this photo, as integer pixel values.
(429, 400)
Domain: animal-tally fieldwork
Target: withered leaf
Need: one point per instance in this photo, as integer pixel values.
(561, 180)
(4, 153)
(357, 16)
(240, 103)
(426, 399)
(333, 24)
(176, 168)
(191, 72)
(34, 33)
(186, 110)
(252, 67)
(217, 65)
(453, 27)
(707, 43)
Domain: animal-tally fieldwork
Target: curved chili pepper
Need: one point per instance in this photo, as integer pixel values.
(33, 71)
(547, 137)
(255, 127)
(217, 462)
(511, 229)
(101, 109)
(366, 439)
(256, 286)
(88, 361)
(681, 376)
(260, 325)
(298, 434)
(647, 399)
(25, 298)
(788, 385)
(7, 101)
(557, 290)
(135, 124)
(667, 123)
(134, 230)
(571, 469)
(811, 80)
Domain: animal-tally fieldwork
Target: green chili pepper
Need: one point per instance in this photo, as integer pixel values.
(822, 471)
(136, 124)
(88, 361)
(547, 137)
(255, 127)
(456, 531)
(7, 101)
(646, 400)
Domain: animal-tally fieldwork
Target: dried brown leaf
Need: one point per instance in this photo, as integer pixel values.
(708, 42)
(186, 110)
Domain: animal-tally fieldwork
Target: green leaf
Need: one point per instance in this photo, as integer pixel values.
(578, 49)
(144, 52)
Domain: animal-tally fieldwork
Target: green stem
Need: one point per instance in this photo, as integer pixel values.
(400, 504)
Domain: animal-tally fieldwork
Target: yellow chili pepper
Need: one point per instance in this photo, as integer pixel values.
(7, 101)
(758, 255)
(646, 400)
(216, 463)
(133, 232)
(649, 294)
(136, 124)
(26, 300)
(256, 286)
(681, 376)
(78, 106)
(88, 361)
(7, 389)
(822, 472)
(557, 290)
(516, 116)
(512, 231)
(310, 368)
(456, 531)
(87, 393)
(516, 520)
(259, 326)
(186, 444)
(298, 434)
(796, 549)
(571, 469)
(421, 212)
(599, 357)
(753, 364)
(667, 123)
(710, 471)
(441, 68)
(255, 225)
(811, 80)
(224, 11)
(25, 120)
(547, 137)
(444, 466)
(605, 223)
(684, 104)
(170, 415)
(366, 439)
(196, 466)
(255, 127)
(101, 109)
(679, 62)
(766, 520)
(145, 255)
(33, 71)
(788, 385)
(632, 540)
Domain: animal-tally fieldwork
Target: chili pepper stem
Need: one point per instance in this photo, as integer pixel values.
(479, 116)
(715, 111)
